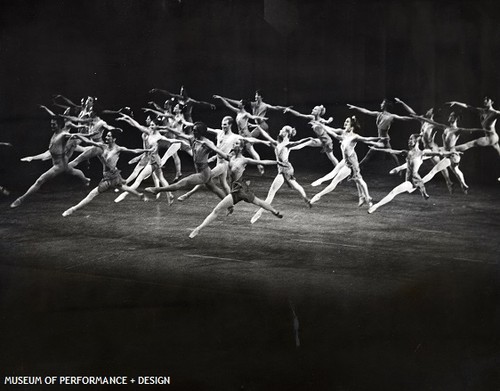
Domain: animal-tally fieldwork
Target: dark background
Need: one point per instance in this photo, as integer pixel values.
(405, 299)
(299, 53)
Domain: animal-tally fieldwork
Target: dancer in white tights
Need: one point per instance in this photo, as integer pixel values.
(282, 148)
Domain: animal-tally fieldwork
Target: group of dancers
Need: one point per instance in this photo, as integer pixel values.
(80, 129)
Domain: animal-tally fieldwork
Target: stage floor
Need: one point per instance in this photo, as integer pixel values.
(328, 298)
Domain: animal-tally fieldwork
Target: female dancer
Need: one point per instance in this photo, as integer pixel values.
(427, 136)
(282, 148)
(110, 153)
(451, 134)
(488, 116)
(240, 190)
(414, 159)
(58, 151)
(384, 121)
(152, 157)
(242, 118)
(323, 139)
(201, 147)
(349, 164)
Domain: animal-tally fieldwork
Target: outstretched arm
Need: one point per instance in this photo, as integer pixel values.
(255, 140)
(440, 153)
(165, 92)
(202, 103)
(226, 103)
(407, 108)
(335, 132)
(51, 113)
(363, 110)
(294, 145)
(66, 100)
(265, 134)
(370, 140)
(126, 118)
(402, 117)
(271, 107)
(463, 105)
(178, 133)
(136, 150)
(297, 114)
(86, 140)
(263, 162)
(389, 150)
(434, 123)
(212, 146)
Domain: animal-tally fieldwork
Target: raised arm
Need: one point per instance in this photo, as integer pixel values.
(51, 113)
(133, 122)
(226, 102)
(265, 134)
(406, 107)
(66, 100)
(363, 110)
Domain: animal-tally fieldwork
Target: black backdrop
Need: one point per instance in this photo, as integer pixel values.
(300, 53)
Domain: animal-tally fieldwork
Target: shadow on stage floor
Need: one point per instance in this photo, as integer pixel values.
(328, 298)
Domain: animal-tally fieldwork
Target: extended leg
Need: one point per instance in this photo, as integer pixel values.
(275, 186)
(402, 188)
(225, 203)
(342, 173)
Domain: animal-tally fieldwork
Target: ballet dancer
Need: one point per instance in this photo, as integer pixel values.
(322, 139)
(151, 137)
(58, 152)
(451, 133)
(109, 155)
(282, 148)
(240, 190)
(488, 116)
(201, 147)
(414, 158)
(225, 142)
(349, 164)
(384, 120)
(242, 118)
